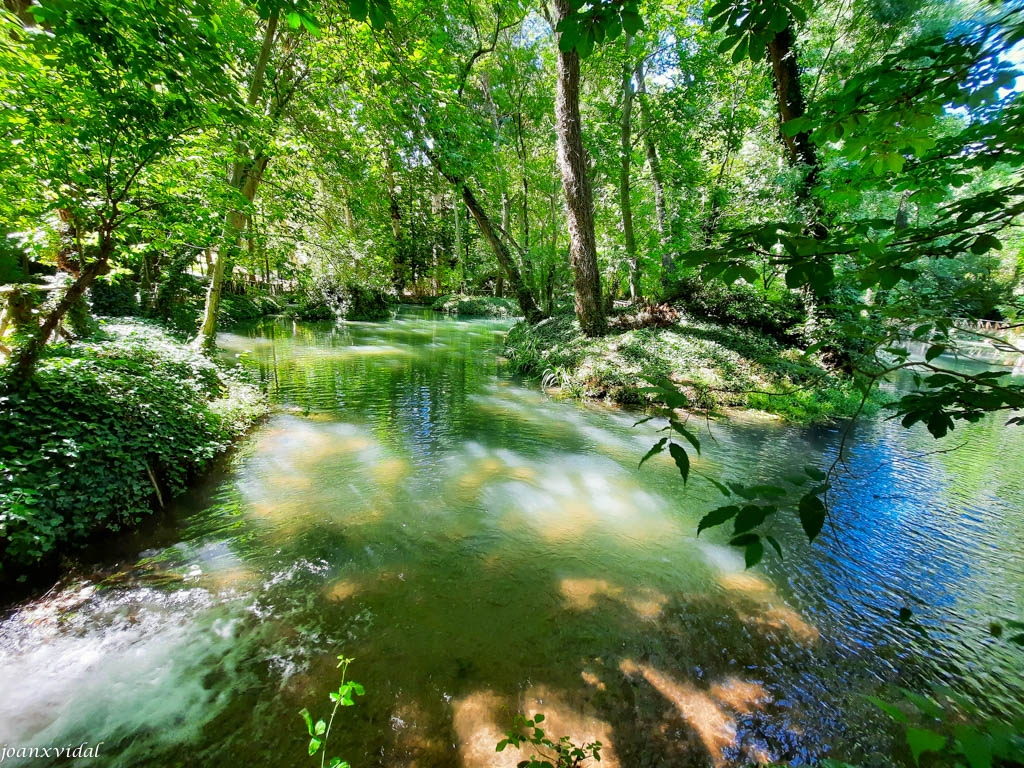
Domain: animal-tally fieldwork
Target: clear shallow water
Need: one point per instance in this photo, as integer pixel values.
(481, 549)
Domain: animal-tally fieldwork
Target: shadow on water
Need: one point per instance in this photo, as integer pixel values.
(482, 550)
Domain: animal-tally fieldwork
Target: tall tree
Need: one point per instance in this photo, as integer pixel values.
(138, 82)
(244, 180)
(625, 163)
(579, 197)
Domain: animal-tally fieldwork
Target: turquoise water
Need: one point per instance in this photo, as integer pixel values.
(482, 548)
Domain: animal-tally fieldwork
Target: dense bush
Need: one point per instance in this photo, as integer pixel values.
(325, 299)
(236, 308)
(781, 317)
(354, 302)
(476, 306)
(84, 446)
(115, 297)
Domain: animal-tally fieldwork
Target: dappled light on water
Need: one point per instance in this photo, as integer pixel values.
(712, 712)
(483, 550)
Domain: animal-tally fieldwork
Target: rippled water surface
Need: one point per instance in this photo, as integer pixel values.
(482, 549)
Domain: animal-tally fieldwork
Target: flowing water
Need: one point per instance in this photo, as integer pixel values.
(482, 548)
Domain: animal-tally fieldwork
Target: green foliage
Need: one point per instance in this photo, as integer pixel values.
(564, 753)
(949, 729)
(101, 427)
(753, 508)
(116, 297)
(320, 731)
(476, 306)
(781, 315)
(749, 25)
(715, 367)
(591, 24)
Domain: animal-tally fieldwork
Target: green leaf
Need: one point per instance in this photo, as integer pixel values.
(814, 473)
(975, 746)
(378, 15)
(754, 553)
(682, 460)
(891, 710)
(314, 745)
(934, 351)
(632, 22)
(319, 728)
(358, 9)
(921, 741)
(687, 434)
(743, 540)
(568, 35)
(721, 488)
(294, 20)
(749, 517)
(812, 515)
(657, 448)
(309, 720)
(716, 517)
(586, 43)
(740, 51)
(775, 545)
(985, 243)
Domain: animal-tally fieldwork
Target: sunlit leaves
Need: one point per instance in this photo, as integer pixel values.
(379, 12)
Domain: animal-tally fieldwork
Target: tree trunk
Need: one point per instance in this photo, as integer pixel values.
(625, 159)
(572, 160)
(654, 163)
(24, 362)
(505, 259)
(245, 177)
(789, 95)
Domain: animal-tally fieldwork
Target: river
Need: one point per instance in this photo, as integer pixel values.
(481, 548)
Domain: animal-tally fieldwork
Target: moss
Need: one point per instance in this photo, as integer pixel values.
(101, 425)
(476, 306)
(717, 366)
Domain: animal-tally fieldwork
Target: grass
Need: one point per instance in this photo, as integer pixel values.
(716, 366)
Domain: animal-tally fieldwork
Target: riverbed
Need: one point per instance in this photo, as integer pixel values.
(483, 548)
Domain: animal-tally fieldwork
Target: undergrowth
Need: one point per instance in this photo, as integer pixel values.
(107, 429)
(717, 367)
(477, 306)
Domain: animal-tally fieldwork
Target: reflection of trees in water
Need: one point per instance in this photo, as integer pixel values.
(445, 609)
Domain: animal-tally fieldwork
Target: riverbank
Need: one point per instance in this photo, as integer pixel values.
(716, 366)
(109, 429)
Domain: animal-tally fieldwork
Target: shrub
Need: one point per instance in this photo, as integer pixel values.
(115, 297)
(476, 306)
(354, 302)
(103, 429)
(781, 317)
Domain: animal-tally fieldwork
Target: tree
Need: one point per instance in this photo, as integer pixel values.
(572, 160)
(137, 83)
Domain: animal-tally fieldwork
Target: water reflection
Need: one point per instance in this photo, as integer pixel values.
(482, 549)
